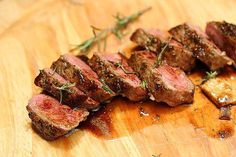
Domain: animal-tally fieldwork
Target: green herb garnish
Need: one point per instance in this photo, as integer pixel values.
(156, 155)
(117, 30)
(119, 65)
(105, 87)
(144, 84)
(159, 57)
(65, 87)
(209, 75)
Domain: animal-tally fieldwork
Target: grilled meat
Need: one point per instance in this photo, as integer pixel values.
(155, 40)
(51, 82)
(118, 75)
(223, 34)
(197, 42)
(52, 119)
(166, 84)
(75, 70)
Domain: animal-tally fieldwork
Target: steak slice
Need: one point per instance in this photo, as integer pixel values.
(75, 70)
(197, 42)
(52, 119)
(155, 40)
(223, 34)
(118, 75)
(165, 83)
(50, 81)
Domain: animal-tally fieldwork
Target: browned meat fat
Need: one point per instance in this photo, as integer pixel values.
(166, 83)
(75, 70)
(219, 91)
(118, 75)
(52, 119)
(50, 81)
(223, 34)
(197, 42)
(175, 54)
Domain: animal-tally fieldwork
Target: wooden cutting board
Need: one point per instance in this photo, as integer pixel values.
(35, 33)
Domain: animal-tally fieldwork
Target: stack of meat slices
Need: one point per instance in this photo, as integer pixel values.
(74, 90)
(77, 85)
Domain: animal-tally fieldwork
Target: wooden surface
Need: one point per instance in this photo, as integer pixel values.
(34, 33)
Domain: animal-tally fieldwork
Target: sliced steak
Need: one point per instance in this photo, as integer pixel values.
(166, 83)
(51, 82)
(155, 40)
(118, 75)
(223, 34)
(52, 119)
(197, 42)
(75, 70)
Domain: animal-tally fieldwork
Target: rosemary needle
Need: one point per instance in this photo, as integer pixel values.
(117, 30)
(119, 65)
(159, 57)
(144, 84)
(65, 87)
(105, 87)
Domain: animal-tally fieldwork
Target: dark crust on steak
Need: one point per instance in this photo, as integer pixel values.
(50, 81)
(196, 41)
(147, 40)
(228, 29)
(175, 54)
(122, 82)
(223, 34)
(46, 128)
(143, 63)
(84, 77)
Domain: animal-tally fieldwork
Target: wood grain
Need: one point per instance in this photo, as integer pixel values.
(35, 33)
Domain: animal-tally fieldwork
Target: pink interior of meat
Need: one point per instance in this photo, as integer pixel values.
(172, 77)
(82, 65)
(148, 55)
(115, 58)
(52, 110)
(214, 34)
(161, 34)
(55, 75)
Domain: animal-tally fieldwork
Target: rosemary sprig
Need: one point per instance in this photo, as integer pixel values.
(209, 75)
(105, 87)
(65, 87)
(143, 84)
(159, 57)
(119, 65)
(117, 30)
